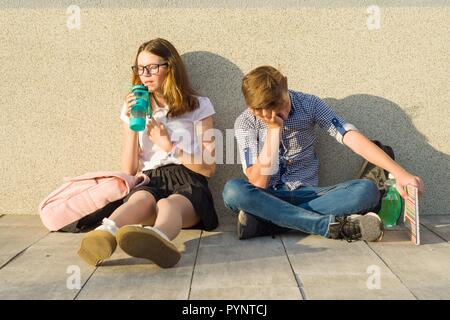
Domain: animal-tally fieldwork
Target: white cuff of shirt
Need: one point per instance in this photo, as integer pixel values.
(347, 127)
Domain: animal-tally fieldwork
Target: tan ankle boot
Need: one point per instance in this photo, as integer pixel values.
(96, 246)
(148, 243)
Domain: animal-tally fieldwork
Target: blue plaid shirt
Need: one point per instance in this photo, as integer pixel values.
(298, 164)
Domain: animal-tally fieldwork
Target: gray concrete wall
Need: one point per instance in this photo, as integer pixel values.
(62, 88)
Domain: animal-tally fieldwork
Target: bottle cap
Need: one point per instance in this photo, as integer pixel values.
(139, 87)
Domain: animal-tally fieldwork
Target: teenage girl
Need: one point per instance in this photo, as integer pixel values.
(174, 152)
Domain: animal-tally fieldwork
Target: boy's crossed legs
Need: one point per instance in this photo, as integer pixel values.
(316, 210)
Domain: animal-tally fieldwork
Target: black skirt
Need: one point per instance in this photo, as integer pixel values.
(178, 179)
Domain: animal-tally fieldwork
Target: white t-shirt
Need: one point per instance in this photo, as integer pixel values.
(181, 130)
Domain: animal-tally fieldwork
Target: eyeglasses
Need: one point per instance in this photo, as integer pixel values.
(150, 68)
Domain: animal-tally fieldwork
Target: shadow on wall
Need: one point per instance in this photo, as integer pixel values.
(384, 120)
(219, 79)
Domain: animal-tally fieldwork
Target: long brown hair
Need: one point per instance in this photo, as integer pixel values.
(177, 90)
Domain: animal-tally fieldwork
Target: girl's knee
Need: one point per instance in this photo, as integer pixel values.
(162, 203)
(142, 197)
(175, 207)
(166, 208)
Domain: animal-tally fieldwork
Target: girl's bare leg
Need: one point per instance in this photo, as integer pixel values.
(173, 213)
(140, 208)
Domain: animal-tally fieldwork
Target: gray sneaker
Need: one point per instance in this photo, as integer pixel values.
(368, 227)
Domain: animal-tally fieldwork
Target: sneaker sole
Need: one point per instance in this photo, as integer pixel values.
(371, 227)
(144, 243)
(96, 246)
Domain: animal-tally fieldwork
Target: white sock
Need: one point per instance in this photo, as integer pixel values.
(162, 234)
(108, 225)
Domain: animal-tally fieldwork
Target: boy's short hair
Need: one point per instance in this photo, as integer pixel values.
(263, 87)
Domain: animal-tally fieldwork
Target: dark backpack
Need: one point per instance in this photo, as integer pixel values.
(376, 174)
(92, 220)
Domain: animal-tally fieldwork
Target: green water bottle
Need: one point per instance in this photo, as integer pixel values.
(138, 112)
(391, 204)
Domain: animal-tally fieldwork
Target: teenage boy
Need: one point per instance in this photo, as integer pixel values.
(276, 141)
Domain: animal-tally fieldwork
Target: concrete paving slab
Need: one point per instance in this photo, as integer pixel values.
(402, 236)
(227, 223)
(14, 240)
(18, 233)
(423, 269)
(49, 269)
(247, 293)
(335, 269)
(25, 220)
(227, 266)
(439, 224)
(125, 277)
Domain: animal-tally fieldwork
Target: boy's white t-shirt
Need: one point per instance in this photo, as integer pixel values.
(181, 130)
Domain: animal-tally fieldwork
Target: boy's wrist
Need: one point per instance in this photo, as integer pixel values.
(274, 135)
(400, 172)
(396, 168)
(274, 130)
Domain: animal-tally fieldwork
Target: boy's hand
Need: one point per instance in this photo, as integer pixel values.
(272, 120)
(406, 178)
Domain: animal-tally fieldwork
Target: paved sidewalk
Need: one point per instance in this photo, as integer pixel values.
(36, 264)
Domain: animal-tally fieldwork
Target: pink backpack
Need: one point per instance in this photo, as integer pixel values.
(83, 195)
